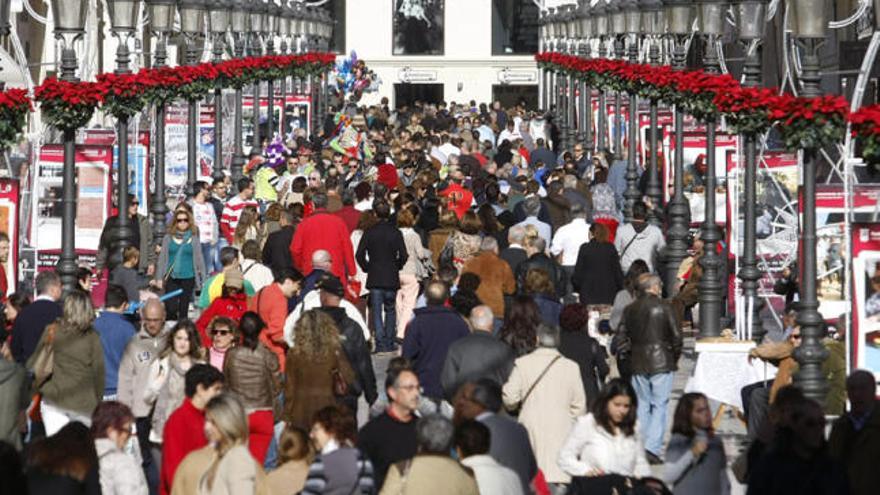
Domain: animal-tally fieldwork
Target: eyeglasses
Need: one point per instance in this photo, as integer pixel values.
(182, 220)
(796, 336)
(222, 332)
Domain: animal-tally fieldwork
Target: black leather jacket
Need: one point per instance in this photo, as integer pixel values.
(542, 262)
(655, 337)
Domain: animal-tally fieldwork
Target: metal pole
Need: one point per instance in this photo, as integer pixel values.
(218, 115)
(67, 265)
(256, 142)
(618, 114)
(573, 127)
(711, 287)
(749, 273)
(601, 124)
(811, 353)
(192, 128)
(159, 208)
(632, 193)
(678, 209)
(270, 97)
(124, 234)
(238, 158)
(654, 188)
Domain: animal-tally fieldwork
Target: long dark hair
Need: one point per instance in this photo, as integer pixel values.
(612, 389)
(681, 420)
(637, 268)
(70, 452)
(250, 327)
(519, 326)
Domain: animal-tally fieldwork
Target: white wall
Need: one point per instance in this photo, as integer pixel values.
(467, 58)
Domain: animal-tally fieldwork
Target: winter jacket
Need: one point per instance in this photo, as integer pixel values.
(115, 332)
(552, 408)
(540, 261)
(120, 472)
(510, 447)
(589, 446)
(166, 389)
(271, 305)
(77, 381)
(597, 276)
(14, 398)
(496, 280)
(233, 307)
(323, 230)
(559, 209)
(237, 473)
(309, 385)
(134, 370)
(382, 254)
(357, 351)
(29, 325)
(858, 450)
(656, 339)
(428, 337)
(590, 357)
(254, 375)
(276, 251)
(475, 356)
(426, 473)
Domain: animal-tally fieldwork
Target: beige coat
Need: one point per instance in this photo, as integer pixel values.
(189, 472)
(237, 473)
(552, 408)
(435, 474)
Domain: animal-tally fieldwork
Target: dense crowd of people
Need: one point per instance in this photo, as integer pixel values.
(530, 343)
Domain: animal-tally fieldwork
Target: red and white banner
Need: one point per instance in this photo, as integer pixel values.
(865, 335)
(9, 208)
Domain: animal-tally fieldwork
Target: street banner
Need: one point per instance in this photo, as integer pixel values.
(9, 201)
(865, 337)
(175, 145)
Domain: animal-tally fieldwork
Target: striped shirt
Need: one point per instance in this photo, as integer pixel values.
(344, 470)
(231, 214)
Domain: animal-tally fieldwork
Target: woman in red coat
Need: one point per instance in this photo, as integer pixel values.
(231, 304)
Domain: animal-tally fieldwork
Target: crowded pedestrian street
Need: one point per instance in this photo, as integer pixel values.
(451, 247)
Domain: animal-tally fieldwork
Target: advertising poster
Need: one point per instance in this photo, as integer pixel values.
(694, 158)
(866, 297)
(175, 146)
(297, 113)
(417, 27)
(138, 165)
(207, 139)
(93, 194)
(9, 197)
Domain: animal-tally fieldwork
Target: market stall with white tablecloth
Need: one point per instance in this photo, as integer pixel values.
(723, 369)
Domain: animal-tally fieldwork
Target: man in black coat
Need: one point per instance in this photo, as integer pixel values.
(276, 252)
(33, 318)
(538, 260)
(655, 347)
(515, 253)
(479, 355)
(510, 447)
(356, 349)
(382, 254)
(597, 276)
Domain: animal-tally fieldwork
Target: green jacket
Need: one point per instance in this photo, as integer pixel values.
(77, 381)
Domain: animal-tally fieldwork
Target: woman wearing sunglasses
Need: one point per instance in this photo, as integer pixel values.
(180, 264)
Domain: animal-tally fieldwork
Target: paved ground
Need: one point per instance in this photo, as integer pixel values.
(731, 430)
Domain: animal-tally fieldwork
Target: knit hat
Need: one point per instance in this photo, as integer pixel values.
(234, 278)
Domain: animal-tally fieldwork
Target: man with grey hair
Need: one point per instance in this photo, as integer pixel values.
(496, 277)
(432, 467)
(548, 390)
(515, 252)
(531, 207)
(479, 355)
(322, 262)
(568, 240)
(655, 347)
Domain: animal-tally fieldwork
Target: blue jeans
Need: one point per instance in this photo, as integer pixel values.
(221, 243)
(211, 254)
(379, 299)
(653, 393)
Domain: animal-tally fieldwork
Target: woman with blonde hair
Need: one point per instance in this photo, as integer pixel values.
(295, 454)
(249, 228)
(180, 264)
(76, 383)
(317, 370)
(232, 471)
(166, 382)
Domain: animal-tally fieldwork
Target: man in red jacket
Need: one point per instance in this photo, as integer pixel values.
(185, 429)
(323, 230)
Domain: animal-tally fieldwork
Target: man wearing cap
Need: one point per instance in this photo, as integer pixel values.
(356, 348)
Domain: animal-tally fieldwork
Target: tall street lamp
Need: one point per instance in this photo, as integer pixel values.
(679, 13)
(573, 29)
(543, 45)
(617, 17)
(563, 17)
(70, 20)
(257, 10)
(192, 24)
(585, 126)
(654, 24)
(123, 19)
(601, 13)
(162, 13)
(632, 14)
(218, 16)
(750, 15)
(809, 29)
(270, 18)
(711, 15)
(238, 18)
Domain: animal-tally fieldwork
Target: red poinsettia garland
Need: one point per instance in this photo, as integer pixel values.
(14, 107)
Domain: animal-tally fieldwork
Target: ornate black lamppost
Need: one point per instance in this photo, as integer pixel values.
(218, 14)
(810, 32)
(585, 31)
(654, 24)
(70, 20)
(573, 30)
(270, 26)
(257, 10)
(632, 14)
(680, 16)
(601, 13)
(162, 13)
(123, 19)
(238, 23)
(192, 23)
(751, 24)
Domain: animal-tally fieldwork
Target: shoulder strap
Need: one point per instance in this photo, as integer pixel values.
(541, 376)
(628, 244)
(248, 268)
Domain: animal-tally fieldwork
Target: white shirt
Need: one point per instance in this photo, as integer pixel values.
(206, 220)
(646, 246)
(258, 274)
(508, 136)
(312, 301)
(590, 447)
(449, 149)
(568, 240)
(492, 477)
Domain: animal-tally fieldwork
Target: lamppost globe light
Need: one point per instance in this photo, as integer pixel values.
(751, 15)
(123, 14)
(633, 15)
(618, 17)
(585, 21)
(5, 27)
(162, 15)
(809, 18)
(255, 12)
(653, 17)
(218, 15)
(69, 15)
(192, 17)
(712, 16)
(573, 26)
(679, 16)
(238, 16)
(600, 11)
(270, 20)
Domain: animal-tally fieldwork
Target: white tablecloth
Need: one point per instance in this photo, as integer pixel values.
(722, 374)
